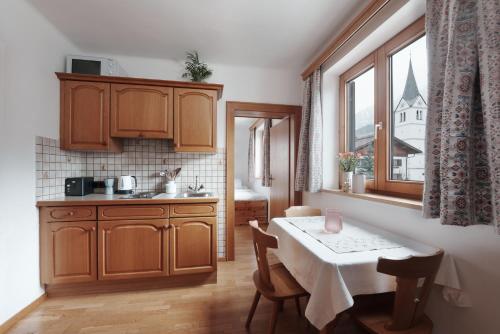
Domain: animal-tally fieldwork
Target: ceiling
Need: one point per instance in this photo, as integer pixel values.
(277, 33)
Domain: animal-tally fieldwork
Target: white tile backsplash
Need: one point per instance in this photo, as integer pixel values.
(141, 158)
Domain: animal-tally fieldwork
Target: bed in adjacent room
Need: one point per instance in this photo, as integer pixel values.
(249, 205)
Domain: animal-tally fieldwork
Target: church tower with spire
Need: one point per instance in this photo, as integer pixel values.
(409, 126)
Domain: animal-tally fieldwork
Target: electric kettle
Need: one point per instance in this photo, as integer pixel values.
(127, 184)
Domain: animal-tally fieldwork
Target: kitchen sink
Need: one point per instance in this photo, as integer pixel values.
(140, 195)
(191, 195)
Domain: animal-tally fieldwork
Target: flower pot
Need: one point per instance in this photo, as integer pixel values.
(358, 183)
(170, 187)
(347, 182)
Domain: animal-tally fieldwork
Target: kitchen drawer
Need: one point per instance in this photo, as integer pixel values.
(118, 212)
(193, 210)
(68, 213)
(257, 205)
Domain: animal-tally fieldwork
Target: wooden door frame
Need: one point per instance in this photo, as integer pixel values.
(258, 110)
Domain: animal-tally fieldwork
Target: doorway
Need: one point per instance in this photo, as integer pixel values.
(285, 136)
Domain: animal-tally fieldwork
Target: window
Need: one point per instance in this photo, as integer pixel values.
(360, 114)
(402, 117)
(383, 99)
(419, 115)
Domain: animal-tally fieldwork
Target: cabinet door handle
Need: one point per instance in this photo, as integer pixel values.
(166, 226)
(378, 126)
(92, 229)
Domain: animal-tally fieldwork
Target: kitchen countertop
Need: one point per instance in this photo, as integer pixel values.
(101, 199)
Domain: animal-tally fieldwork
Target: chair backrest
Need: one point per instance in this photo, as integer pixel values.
(302, 211)
(411, 298)
(261, 242)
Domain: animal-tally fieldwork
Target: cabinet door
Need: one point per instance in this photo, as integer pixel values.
(133, 248)
(141, 111)
(85, 117)
(68, 252)
(193, 245)
(195, 120)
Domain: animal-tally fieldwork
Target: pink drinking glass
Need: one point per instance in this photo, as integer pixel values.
(333, 221)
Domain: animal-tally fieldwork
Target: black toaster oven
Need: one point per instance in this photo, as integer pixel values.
(78, 186)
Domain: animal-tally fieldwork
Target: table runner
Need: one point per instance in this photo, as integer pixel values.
(350, 239)
(333, 278)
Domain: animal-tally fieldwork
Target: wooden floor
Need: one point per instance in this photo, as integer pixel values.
(215, 308)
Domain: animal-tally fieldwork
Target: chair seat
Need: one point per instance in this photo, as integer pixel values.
(375, 322)
(285, 286)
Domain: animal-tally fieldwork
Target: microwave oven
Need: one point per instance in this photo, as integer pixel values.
(93, 65)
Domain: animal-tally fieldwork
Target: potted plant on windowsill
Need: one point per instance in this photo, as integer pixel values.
(348, 162)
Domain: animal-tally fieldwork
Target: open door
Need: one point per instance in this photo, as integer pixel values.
(280, 169)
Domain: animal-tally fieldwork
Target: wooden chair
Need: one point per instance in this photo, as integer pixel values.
(272, 281)
(407, 315)
(302, 211)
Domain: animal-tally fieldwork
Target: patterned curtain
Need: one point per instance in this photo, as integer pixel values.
(309, 175)
(462, 183)
(251, 156)
(266, 145)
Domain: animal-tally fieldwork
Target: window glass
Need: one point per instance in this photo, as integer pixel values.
(408, 70)
(360, 100)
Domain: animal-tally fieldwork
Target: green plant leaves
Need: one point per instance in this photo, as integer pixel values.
(196, 70)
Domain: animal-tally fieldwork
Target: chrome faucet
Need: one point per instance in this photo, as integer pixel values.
(196, 187)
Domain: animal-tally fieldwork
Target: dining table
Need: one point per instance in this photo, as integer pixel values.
(335, 267)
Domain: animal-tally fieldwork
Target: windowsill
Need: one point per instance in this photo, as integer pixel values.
(391, 200)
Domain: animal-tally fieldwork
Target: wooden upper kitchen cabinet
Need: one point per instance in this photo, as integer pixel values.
(195, 120)
(193, 246)
(84, 122)
(142, 111)
(133, 248)
(68, 252)
(96, 111)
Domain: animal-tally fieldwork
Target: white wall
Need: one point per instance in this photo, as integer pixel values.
(33, 51)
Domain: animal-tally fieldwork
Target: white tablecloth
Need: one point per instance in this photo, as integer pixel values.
(333, 278)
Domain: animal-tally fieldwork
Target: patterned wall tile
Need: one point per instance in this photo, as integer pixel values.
(142, 158)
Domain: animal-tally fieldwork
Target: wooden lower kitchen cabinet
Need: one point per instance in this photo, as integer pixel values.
(193, 245)
(103, 245)
(68, 252)
(133, 248)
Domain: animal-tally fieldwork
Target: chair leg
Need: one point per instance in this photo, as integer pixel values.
(281, 305)
(274, 317)
(297, 303)
(256, 299)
